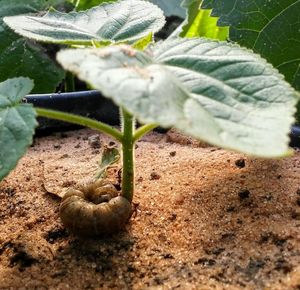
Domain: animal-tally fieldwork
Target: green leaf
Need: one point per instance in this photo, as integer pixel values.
(127, 20)
(170, 8)
(270, 28)
(87, 4)
(22, 58)
(110, 155)
(17, 122)
(143, 43)
(215, 91)
(200, 23)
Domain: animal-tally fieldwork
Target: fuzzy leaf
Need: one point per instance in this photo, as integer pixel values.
(200, 23)
(127, 20)
(17, 122)
(170, 7)
(19, 57)
(271, 28)
(215, 91)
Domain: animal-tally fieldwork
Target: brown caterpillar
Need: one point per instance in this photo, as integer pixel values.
(95, 209)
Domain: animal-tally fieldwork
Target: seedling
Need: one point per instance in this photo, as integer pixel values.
(213, 90)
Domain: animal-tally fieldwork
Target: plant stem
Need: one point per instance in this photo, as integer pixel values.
(128, 155)
(79, 120)
(140, 132)
(76, 4)
(69, 82)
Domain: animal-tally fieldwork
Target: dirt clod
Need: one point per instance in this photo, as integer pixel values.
(295, 214)
(22, 259)
(205, 262)
(56, 234)
(244, 194)
(154, 176)
(56, 146)
(283, 265)
(94, 141)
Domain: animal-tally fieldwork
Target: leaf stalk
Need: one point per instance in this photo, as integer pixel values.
(82, 121)
(128, 124)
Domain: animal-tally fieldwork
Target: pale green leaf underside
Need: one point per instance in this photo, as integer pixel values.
(127, 20)
(170, 7)
(215, 91)
(17, 122)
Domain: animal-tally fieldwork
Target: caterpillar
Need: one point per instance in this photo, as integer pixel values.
(94, 209)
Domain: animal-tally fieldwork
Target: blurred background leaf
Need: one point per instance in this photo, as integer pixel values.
(20, 57)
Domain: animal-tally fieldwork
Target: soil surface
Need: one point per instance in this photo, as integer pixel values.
(206, 219)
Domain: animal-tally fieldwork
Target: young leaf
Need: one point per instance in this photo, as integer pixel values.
(270, 28)
(110, 155)
(215, 91)
(19, 57)
(200, 23)
(143, 43)
(17, 122)
(122, 21)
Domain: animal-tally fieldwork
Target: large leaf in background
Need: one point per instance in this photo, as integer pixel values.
(271, 28)
(215, 91)
(19, 57)
(125, 20)
(87, 4)
(170, 7)
(200, 23)
(17, 122)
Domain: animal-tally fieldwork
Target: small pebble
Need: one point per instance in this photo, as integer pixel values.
(173, 217)
(231, 208)
(240, 163)
(65, 156)
(56, 146)
(295, 215)
(94, 141)
(154, 176)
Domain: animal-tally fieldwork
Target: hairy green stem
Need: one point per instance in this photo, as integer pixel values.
(79, 120)
(140, 132)
(69, 82)
(128, 155)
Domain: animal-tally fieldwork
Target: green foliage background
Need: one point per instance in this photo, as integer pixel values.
(21, 57)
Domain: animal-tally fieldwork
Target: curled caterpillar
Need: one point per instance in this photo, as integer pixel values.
(95, 209)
